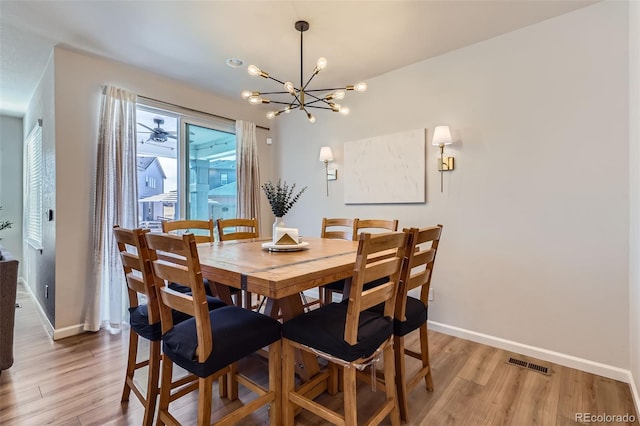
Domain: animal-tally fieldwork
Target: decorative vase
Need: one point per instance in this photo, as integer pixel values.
(278, 223)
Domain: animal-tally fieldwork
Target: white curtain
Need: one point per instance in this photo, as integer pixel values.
(115, 204)
(248, 198)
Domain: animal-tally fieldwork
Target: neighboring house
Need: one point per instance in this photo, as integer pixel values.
(222, 172)
(151, 179)
(222, 201)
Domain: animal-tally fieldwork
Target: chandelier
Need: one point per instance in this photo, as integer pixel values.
(301, 97)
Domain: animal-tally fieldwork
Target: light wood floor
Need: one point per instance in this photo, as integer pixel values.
(78, 381)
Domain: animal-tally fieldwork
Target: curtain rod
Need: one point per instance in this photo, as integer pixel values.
(195, 110)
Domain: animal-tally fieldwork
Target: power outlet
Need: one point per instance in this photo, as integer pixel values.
(430, 294)
(46, 291)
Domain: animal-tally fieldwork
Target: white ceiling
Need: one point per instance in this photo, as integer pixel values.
(191, 40)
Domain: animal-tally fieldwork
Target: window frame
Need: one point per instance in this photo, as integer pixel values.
(33, 187)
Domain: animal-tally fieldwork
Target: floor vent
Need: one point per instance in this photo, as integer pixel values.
(529, 366)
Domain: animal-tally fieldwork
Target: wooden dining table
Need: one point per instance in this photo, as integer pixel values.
(279, 276)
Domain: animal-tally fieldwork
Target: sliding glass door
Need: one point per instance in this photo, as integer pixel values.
(186, 167)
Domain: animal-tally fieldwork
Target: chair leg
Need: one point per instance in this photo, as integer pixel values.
(222, 386)
(400, 377)
(424, 349)
(131, 365)
(165, 389)
(152, 382)
(204, 400)
(288, 382)
(350, 402)
(275, 383)
(232, 382)
(389, 377)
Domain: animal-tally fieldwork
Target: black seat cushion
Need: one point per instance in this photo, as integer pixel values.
(323, 329)
(236, 333)
(338, 286)
(207, 288)
(139, 319)
(416, 314)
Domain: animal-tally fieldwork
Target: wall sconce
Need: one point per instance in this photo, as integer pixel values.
(326, 156)
(442, 137)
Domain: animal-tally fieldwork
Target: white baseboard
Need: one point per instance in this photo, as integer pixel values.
(582, 364)
(72, 330)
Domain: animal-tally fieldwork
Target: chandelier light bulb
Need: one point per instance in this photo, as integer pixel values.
(255, 100)
(338, 94)
(271, 115)
(246, 94)
(344, 110)
(360, 87)
(311, 118)
(254, 70)
(287, 110)
(321, 64)
(288, 86)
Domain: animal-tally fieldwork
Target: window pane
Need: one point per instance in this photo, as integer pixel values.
(33, 186)
(157, 159)
(212, 172)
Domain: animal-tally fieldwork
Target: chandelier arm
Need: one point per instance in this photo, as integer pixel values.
(317, 107)
(274, 93)
(308, 81)
(325, 90)
(283, 103)
(316, 101)
(275, 79)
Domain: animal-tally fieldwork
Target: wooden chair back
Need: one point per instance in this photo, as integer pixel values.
(346, 229)
(181, 266)
(248, 229)
(378, 256)
(136, 257)
(374, 224)
(203, 228)
(420, 255)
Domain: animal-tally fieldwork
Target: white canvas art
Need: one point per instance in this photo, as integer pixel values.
(386, 169)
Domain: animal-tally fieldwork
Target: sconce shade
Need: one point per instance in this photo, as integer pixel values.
(325, 154)
(441, 136)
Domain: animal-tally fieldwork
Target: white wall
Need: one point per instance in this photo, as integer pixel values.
(11, 184)
(536, 214)
(634, 193)
(78, 83)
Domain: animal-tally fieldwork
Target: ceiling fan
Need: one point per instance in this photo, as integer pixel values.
(158, 134)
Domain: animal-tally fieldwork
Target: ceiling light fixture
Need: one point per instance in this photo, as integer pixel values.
(235, 62)
(303, 98)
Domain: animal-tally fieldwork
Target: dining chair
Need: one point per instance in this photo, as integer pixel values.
(348, 335)
(242, 229)
(209, 344)
(203, 231)
(238, 229)
(338, 229)
(411, 313)
(143, 318)
(360, 225)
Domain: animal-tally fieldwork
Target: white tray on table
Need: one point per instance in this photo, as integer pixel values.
(285, 247)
